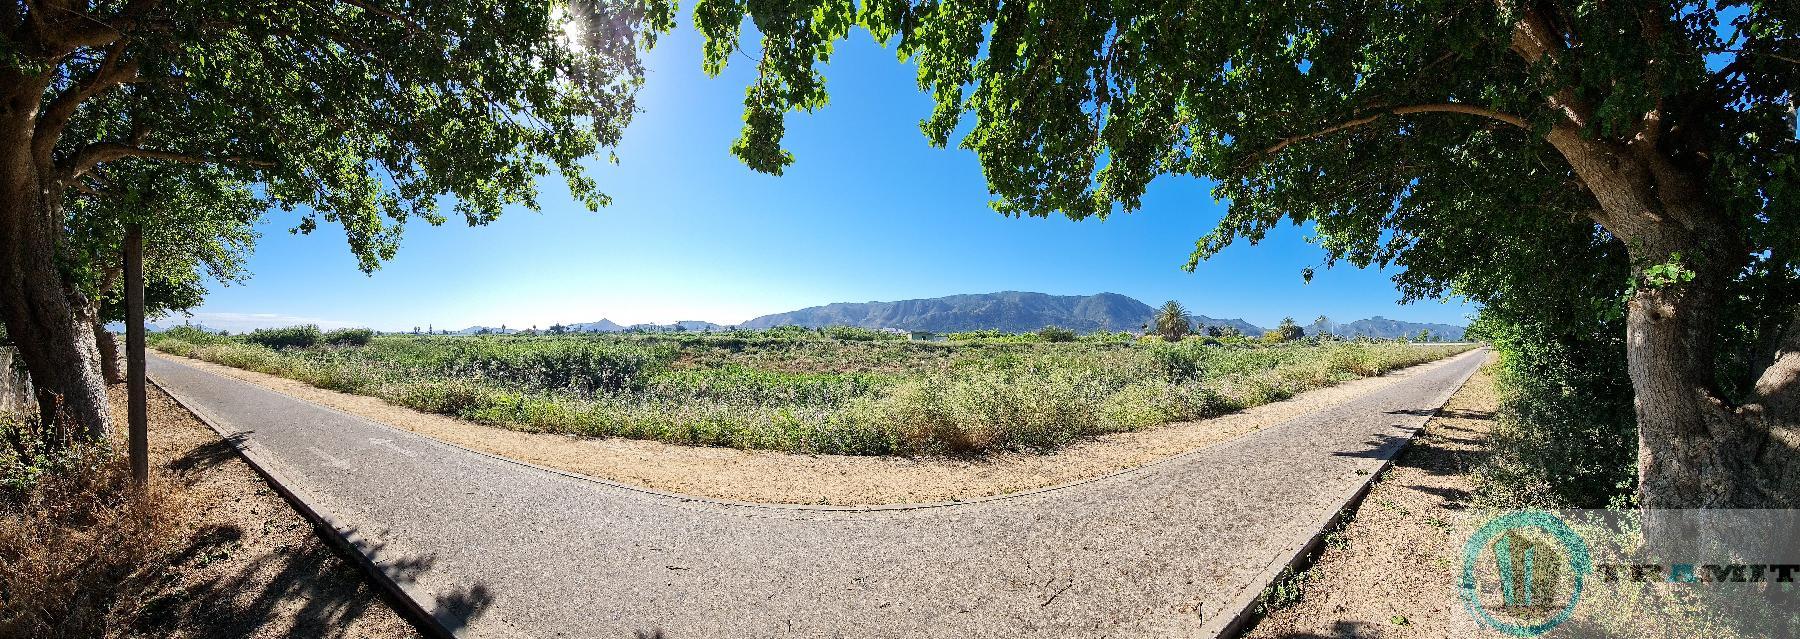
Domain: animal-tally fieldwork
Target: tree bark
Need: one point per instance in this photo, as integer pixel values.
(109, 354)
(50, 321)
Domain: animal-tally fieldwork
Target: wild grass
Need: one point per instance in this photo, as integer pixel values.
(76, 540)
(817, 391)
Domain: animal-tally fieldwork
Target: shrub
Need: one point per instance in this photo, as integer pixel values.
(173, 347)
(1566, 435)
(856, 334)
(581, 365)
(349, 337)
(1021, 408)
(246, 356)
(1056, 334)
(187, 334)
(290, 337)
(451, 397)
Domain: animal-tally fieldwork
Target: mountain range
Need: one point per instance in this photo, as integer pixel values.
(1016, 311)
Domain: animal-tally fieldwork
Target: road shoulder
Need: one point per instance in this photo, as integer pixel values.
(1389, 571)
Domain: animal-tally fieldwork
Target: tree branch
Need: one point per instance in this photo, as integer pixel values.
(1447, 107)
(101, 152)
(1537, 43)
(55, 116)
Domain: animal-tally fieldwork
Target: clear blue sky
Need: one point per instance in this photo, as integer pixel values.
(869, 212)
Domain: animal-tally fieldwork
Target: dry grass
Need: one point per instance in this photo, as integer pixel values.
(210, 551)
(79, 546)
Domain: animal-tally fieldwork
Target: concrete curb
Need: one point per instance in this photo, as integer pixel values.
(1245, 613)
(408, 600)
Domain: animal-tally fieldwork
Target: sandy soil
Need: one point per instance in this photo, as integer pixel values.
(775, 477)
(252, 565)
(1391, 571)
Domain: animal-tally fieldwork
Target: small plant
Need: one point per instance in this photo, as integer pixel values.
(1289, 588)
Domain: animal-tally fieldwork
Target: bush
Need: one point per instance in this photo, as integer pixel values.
(187, 334)
(1056, 334)
(581, 365)
(290, 337)
(1567, 434)
(349, 337)
(855, 334)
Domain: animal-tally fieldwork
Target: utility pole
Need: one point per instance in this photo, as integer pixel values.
(138, 404)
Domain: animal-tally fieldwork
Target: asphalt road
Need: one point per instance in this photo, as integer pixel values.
(494, 548)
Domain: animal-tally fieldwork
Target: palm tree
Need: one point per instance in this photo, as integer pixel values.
(1172, 321)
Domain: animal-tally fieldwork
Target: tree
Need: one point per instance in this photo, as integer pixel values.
(1288, 331)
(1172, 321)
(348, 112)
(1400, 131)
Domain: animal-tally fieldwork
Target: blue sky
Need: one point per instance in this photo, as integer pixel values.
(868, 212)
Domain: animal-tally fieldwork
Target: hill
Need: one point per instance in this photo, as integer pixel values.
(1379, 327)
(1010, 311)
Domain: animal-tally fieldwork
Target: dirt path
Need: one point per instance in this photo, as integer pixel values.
(776, 477)
(252, 566)
(1391, 571)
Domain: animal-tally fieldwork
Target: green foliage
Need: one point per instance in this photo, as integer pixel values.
(194, 118)
(349, 337)
(189, 334)
(580, 365)
(1172, 321)
(1055, 334)
(810, 392)
(1288, 331)
(1567, 436)
(859, 334)
(289, 337)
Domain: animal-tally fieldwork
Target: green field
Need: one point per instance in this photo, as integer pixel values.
(838, 391)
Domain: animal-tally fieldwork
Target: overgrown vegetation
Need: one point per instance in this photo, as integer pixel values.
(76, 541)
(834, 391)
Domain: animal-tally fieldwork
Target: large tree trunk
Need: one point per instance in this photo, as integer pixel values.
(48, 319)
(1696, 448)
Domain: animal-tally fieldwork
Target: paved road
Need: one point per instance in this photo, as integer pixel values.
(498, 549)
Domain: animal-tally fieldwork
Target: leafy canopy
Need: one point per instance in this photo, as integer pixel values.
(347, 112)
(1383, 123)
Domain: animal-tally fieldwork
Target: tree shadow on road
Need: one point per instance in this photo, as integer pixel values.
(209, 456)
(311, 591)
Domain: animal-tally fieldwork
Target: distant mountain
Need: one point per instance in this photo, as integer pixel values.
(688, 326)
(602, 326)
(487, 330)
(1009, 311)
(1379, 327)
(1200, 323)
